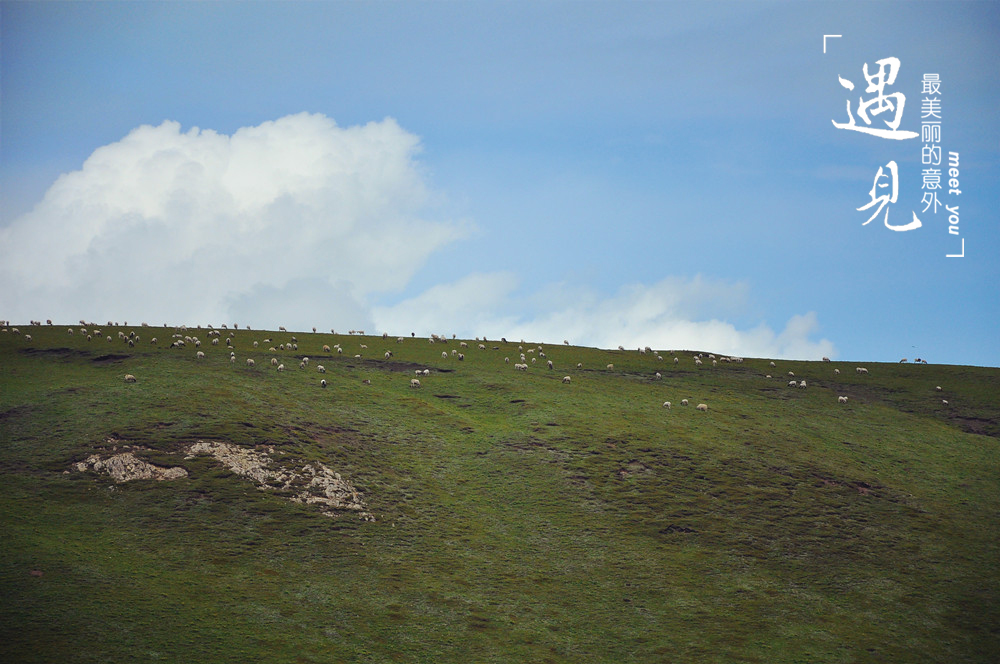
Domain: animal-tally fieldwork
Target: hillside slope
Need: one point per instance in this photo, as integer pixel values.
(490, 515)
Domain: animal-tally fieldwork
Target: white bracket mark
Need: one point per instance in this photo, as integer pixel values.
(824, 40)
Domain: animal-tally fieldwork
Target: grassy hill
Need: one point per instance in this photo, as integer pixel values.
(517, 518)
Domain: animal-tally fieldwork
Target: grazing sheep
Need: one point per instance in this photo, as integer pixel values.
(791, 373)
(461, 356)
(697, 362)
(444, 355)
(903, 361)
(250, 362)
(549, 362)
(772, 365)
(861, 370)
(302, 365)
(657, 376)
(802, 384)
(826, 359)
(366, 381)
(792, 383)
(566, 379)
(611, 367)
(200, 355)
(520, 367)
(274, 361)
(322, 382)
(684, 402)
(320, 368)
(305, 360)
(836, 372)
(129, 378)
(938, 388)
(768, 376)
(414, 382)
(676, 360)
(702, 407)
(232, 359)
(326, 348)
(281, 367)
(427, 372)
(841, 399)
(579, 365)
(482, 346)
(666, 404)
(944, 401)
(506, 360)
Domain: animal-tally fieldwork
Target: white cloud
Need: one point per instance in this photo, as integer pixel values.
(674, 313)
(296, 218)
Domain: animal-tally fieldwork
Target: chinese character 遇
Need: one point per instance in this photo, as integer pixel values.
(881, 102)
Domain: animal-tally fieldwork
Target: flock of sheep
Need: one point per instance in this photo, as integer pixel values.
(184, 337)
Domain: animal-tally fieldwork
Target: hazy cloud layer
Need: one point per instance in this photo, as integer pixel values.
(674, 313)
(293, 222)
(301, 223)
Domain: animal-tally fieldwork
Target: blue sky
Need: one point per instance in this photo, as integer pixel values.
(662, 174)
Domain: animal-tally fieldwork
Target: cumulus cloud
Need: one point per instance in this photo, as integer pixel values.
(674, 313)
(297, 218)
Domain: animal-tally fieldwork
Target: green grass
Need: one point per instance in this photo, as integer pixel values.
(518, 518)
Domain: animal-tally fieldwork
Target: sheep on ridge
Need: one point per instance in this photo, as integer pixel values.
(702, 407)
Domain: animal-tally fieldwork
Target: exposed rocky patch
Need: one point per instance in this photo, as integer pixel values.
(126, 466)
(312, 484)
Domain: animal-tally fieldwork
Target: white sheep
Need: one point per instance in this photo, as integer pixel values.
(566, 379)
(657, 376)
(129, 378)
(274, 361)
(676, 360)
(611, 367)
(836, 372)
(772, 365)
(549, 362)
(326, 348)
(444, 355)
(579, 365)
(702, 407)
(320, 368)
(250, 362)
(322, 382)
(281, 367)
(666, 404)
(697, 362)
(841, 399)
(791, 373)
(684, 402)
(200, 355)
(802, 384)
(427, 372)
(937, 388)
(792, 383)
(414, 382)
(861, 370)
(461, 356)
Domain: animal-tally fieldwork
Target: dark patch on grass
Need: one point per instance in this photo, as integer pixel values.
(63, 353)
(674, 529)
(517, 400)
(447, 396)
(109, 358)
(16, 411)
(977, 425)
